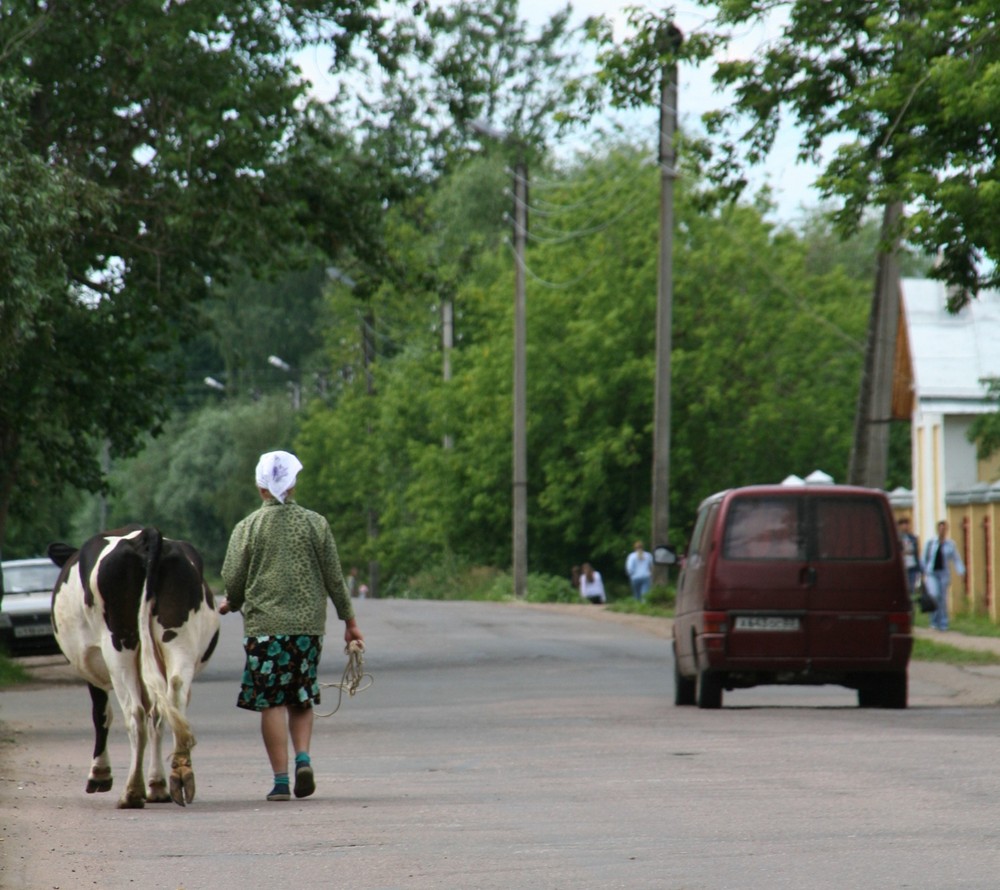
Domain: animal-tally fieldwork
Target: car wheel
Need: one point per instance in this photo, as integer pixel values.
(709, 690)
(684, 687)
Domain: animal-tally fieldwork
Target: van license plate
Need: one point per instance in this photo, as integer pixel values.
(766, 622)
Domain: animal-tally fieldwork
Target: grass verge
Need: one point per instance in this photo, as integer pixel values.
(929, 650)
(11, 673)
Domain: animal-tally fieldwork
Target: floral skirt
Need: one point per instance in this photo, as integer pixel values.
(281, 669)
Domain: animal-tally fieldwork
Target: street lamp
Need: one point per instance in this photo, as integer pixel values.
(282, 365)
(520, 481)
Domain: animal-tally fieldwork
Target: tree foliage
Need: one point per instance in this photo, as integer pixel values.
(985, 429)
(196, 481)
(767, 353)
(904, 92)
(150, 150)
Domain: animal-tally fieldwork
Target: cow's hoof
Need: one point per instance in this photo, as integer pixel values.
(182, 786)
(99, 785)
(157, 792)
(132, 803)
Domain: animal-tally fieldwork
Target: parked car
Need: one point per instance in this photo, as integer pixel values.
(793, 584)
(26, 607)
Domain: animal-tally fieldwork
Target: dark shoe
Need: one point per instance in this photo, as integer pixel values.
(305, 783)
(280, 792)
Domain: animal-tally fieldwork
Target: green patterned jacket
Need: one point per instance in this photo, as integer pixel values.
(280, 566)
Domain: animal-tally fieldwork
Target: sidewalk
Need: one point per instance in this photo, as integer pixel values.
(959, 640)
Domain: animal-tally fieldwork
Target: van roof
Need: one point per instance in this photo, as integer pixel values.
(776, 489)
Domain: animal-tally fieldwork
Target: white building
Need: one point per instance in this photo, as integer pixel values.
(941, 361)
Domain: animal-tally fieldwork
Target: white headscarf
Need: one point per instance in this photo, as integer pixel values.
(276, 471)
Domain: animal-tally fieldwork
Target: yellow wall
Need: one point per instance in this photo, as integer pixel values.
(989, 470)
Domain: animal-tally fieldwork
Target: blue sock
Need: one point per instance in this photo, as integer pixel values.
(302, 758)
(281, 778)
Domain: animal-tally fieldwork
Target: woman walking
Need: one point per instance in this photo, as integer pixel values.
(280, 567)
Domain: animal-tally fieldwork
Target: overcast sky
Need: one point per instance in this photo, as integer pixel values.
(791, 182)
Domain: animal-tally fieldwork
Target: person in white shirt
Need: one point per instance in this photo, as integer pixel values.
(592, 585)
(639, 568)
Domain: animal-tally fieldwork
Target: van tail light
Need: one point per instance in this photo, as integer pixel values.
(899, 622)
(715, 622)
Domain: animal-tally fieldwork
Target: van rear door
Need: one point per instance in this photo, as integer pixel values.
(762, 579)
(854, 574)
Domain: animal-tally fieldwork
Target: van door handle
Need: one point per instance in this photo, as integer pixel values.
(807, 577)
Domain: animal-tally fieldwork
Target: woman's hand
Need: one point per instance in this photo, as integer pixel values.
(352, 632)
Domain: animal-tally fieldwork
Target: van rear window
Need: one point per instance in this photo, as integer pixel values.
(851, 528)
(764, 528)
(798, 528)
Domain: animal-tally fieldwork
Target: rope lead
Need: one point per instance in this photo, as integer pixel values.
(354, 674)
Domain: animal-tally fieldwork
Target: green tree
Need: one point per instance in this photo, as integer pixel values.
(41, 208)
(908, 93)
(985, 429)
(768, 347)
(164, 147)
(196, 481)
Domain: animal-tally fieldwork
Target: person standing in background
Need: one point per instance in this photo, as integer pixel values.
(639, 568)
(910, 545)
(940, 556)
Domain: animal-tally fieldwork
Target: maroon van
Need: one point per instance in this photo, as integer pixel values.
(793, 584)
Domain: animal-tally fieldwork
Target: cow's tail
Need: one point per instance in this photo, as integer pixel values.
(152, 664)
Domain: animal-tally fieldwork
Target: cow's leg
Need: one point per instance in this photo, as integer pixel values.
(100, 768)
(124, 667)
(156, 779)
(182, 787)
(135, 791)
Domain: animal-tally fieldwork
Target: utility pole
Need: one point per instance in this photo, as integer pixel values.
(520, 493)
(368, 353)
(519, 543)
(671, 39)
(869, 461)
(447, 342)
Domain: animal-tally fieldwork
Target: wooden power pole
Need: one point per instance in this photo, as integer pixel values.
(869, 463)
(664, 304)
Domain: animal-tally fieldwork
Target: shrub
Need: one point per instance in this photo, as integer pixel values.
(452, 582)
(550, 589)
(662, 596)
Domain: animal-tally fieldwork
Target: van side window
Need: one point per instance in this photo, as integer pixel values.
(699, 537)
(764, 528)
(851, 528)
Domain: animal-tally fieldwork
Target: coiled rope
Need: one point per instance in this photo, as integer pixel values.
(354, 675)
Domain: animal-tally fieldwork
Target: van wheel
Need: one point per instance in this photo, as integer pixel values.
(889, 690)
(684, 687)
(709, 690)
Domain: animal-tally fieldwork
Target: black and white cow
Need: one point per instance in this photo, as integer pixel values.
(132, 612)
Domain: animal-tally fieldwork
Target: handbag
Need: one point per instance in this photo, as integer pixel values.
(926, 602)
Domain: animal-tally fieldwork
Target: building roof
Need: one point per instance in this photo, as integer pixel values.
(950, 353)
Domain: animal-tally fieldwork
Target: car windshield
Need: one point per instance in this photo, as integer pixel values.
(28, 579)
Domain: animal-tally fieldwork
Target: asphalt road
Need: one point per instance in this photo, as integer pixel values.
(504, 746)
